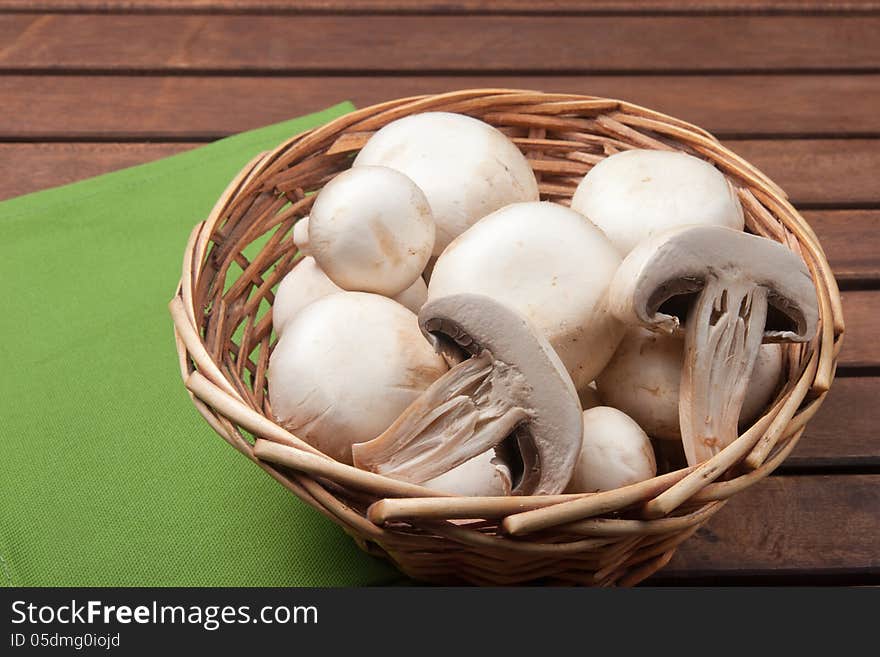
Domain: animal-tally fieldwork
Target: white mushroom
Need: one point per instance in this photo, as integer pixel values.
(302, 285)
(414, 296)
(638, 193)
(301, 236)
(551, 265)
(306, 283)
(466, 167)
(346, 366)
(483, 475)
(616, 452)
(370, 229)
(513, 386)
(735, 290)
(643, 377)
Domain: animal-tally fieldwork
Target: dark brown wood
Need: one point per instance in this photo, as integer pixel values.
(440, 43)
(144, 107)
(819, 171)
(811, 525)
(844, 431)
(851, 241)
(861, 309)
(50, 165)
(451, 6)
(848, 236)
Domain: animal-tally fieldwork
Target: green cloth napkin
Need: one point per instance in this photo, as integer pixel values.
(108, 475)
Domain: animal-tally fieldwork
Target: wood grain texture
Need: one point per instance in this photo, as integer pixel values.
(824, 172)
(819, 171)
(844, 431)
(850, 238)
(788, 525)
(450, 6)
(851, 241)
(50, 165)
(147, 107)
(440, 43)
(861, 348)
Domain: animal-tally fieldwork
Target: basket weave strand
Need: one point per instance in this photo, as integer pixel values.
(223, 328)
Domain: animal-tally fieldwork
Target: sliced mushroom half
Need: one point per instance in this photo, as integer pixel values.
(513, 386)
(731, 290)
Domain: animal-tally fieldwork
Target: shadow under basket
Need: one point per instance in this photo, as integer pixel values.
(223, 327)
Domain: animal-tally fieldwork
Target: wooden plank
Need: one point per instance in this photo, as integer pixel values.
(296, 44)
(850, 241)
(861, 311)
(26, 168)
(815, 171)
(788, 526)
(450, 6)
(147, 107)
(802, 167)
(844, 431)
(850, 237)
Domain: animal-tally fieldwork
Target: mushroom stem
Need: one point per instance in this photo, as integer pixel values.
(464, 413)
(723, 335)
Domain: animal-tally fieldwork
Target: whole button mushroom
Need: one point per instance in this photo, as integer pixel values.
(638, 193)
(301, 236)
(643, 377)
(345, 367)
(512, 387)
(616, 452)
(466, 167)
(306, 283)
(483, 475)
(371, 230)
(551, 265)
(732, 290)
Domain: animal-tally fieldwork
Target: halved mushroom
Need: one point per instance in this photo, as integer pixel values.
(549, 264)
(643, 379)
(345, 367)
(513, 386)
(732, 290)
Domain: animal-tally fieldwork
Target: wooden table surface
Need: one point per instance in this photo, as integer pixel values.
(89, 86)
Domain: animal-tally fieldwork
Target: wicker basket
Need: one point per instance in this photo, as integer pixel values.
(222, 316)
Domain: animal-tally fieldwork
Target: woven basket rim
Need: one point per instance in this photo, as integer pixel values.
(761, 448)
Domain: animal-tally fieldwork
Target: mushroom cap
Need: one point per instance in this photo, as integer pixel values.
(414, 296)
(307, 282)
(537, 378)
(644, 376)
(301, 236)
(302, 285)
(551, 265)
(635, 194)
(370, 229)
(483, 475)
(466, 167)
(615, 453)
(345, 367)
(677, 262)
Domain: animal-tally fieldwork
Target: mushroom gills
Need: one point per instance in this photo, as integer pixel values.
(722, 338)
(731, 291)
(462, 414)
(513, 393)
